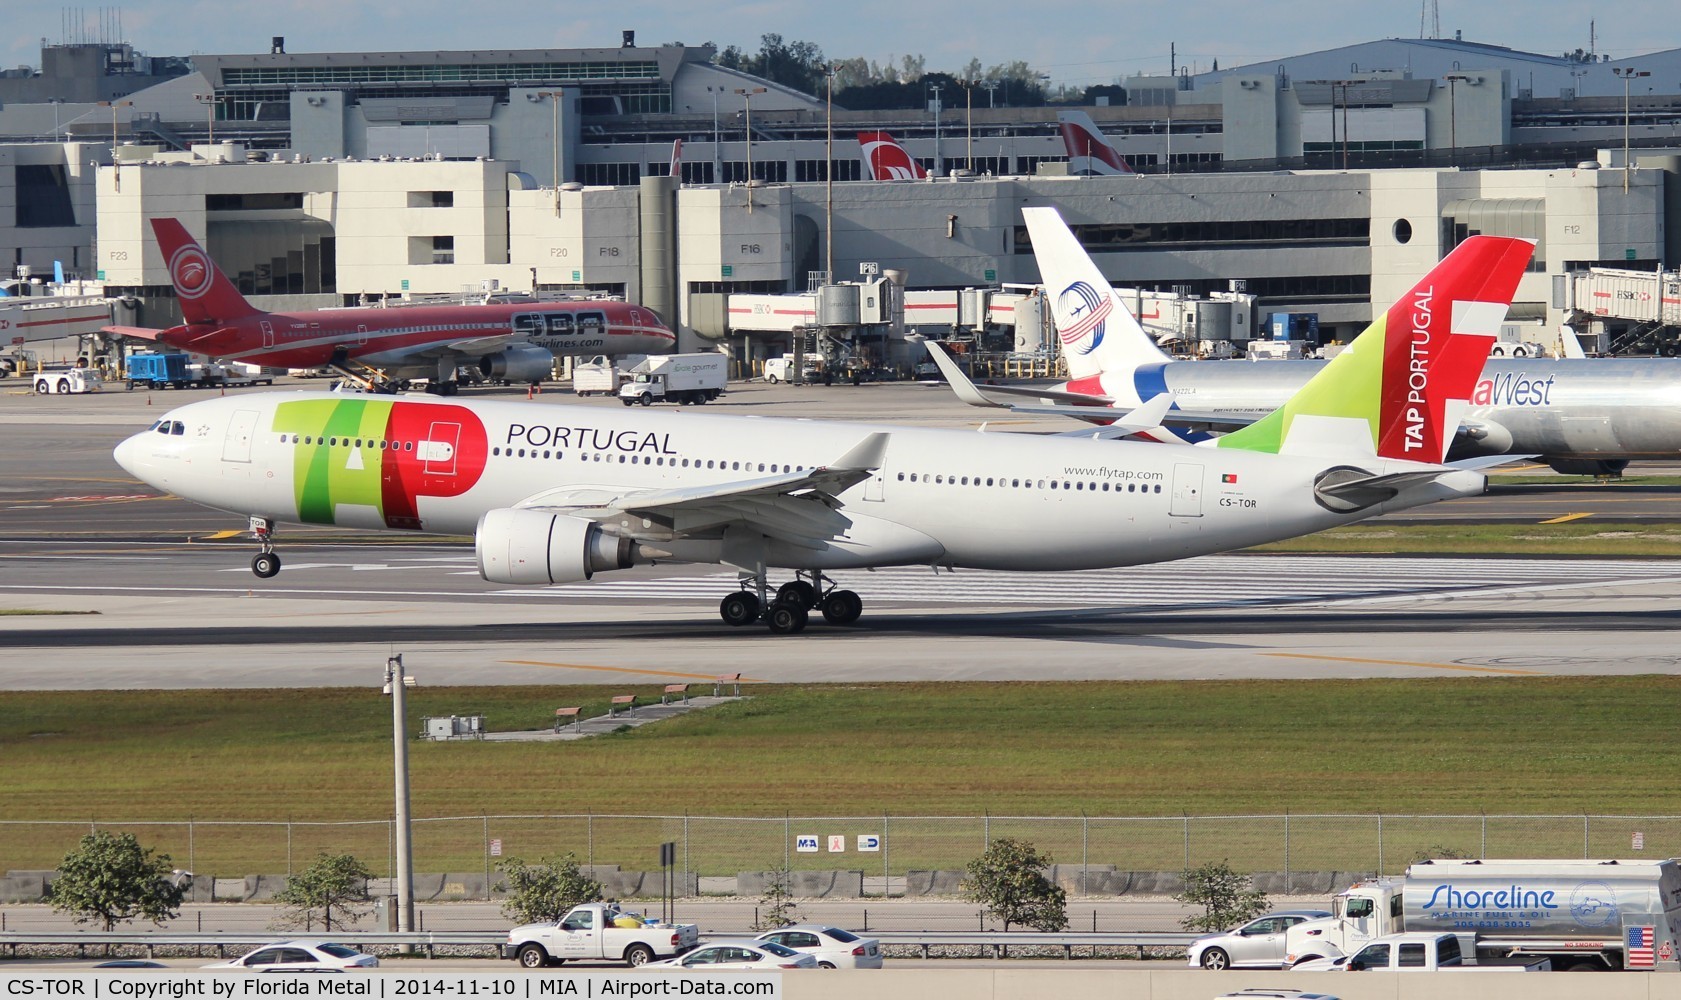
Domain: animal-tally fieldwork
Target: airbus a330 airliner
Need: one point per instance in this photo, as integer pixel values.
(1584, 416)
(556, 494)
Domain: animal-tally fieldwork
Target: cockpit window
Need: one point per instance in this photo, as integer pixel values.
(176, 427)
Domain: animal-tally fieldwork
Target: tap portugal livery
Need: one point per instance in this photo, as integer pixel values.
(381, 348)
(1587, 416)
(556, 494)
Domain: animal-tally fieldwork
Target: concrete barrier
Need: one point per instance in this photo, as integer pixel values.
(806, 885)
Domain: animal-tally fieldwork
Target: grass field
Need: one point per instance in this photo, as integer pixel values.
(1143, 749)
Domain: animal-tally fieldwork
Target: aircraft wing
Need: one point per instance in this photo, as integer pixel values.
(1172, 418)
(136, 332)
(795, 507)
(483, 345)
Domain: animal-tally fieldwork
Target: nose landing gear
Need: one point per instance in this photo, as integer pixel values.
(265, 563)
(790, 610)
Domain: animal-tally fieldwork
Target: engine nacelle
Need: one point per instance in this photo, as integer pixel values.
(1602, 467)
(518, 363)
(534, 547)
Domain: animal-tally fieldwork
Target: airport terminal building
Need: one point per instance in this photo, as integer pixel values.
(340, 178)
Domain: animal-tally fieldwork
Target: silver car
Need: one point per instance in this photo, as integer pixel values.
(1258, 944)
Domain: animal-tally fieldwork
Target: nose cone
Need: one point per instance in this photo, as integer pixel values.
(129, 454)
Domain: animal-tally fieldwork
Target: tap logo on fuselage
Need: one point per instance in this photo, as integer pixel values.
(381, 454)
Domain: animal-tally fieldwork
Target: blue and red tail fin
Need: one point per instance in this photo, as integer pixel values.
(206, 294)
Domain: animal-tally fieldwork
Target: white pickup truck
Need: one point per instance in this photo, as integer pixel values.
(1416, 951)
(587, 932)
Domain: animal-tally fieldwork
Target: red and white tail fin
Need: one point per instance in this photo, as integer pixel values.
(886, 160)
(206, 294)
(1089, 152)
(677, 159)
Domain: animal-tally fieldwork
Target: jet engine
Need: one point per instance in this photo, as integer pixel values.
(1588, 466)
(537, 547)
(518, 363)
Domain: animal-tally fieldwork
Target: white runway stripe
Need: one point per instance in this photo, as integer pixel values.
(1209, 580)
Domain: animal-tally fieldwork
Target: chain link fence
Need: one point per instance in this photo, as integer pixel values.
(888, 847)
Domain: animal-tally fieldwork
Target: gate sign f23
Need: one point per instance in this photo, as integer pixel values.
(806, 843)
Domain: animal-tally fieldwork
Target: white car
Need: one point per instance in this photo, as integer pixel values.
(300, 955)
(833, 947)
(1258, 944)
(727, 955)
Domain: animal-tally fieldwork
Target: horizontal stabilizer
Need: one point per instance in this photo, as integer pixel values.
(1348, 489)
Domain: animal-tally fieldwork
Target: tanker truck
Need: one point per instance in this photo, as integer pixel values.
(1583, 915)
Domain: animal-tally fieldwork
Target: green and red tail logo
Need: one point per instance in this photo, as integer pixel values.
(1400, 389)
(380, 453)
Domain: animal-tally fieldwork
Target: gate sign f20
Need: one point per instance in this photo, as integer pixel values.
(869, 842)
(806, 843)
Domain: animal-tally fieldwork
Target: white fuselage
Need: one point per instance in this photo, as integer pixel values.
(945, 497)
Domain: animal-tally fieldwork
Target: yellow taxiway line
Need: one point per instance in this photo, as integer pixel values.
(1569, 517)
(1408, 663)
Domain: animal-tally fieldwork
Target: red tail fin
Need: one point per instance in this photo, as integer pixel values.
(206, 294)
(886, 160)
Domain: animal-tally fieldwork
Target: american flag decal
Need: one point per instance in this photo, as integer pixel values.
(1639, 948)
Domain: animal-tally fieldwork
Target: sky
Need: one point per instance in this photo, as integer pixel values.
(1077, 44)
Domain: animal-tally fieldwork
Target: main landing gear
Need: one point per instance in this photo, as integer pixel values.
(790, 610)
(267, 562)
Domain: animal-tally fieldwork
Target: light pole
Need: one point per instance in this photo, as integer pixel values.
(1453, 116)
(209, 102)
(991, 93)
(746, 94)
(969, 126)
(1627, 73)
(936, 88)
(553, 97)
(829, 175)
(717, 140)
(396, 683)
(116, 167)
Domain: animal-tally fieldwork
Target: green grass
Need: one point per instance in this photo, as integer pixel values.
(1601, 745)
(1586, 537)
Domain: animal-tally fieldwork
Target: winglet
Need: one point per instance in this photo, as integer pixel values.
(960, 385)
(866, 456)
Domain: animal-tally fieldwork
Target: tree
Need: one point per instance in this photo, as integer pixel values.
(1009, 882)
(110, 877)
(332, 882)
(544, 891)
(776, 906)
(1227, 898)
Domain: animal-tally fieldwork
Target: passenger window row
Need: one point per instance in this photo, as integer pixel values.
(1016, 484)
(344, 442)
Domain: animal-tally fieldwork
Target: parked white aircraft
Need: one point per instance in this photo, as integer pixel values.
(555, 494)
(1582, 416)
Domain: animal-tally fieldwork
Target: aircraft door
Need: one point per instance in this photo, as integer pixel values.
(236, 447)
(874, 486)
(268, 332)
(361, 334)
(439, 449)
(1187, 491)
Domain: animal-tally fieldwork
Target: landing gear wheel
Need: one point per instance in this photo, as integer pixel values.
(787, 619)
(265, 564)
(797, 592)
(842, 607)
(740, 608)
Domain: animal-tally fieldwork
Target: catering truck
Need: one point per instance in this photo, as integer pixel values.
(597, 932)
(1582, 915)
(680, 378)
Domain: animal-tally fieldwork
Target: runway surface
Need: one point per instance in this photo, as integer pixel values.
(177, 606)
